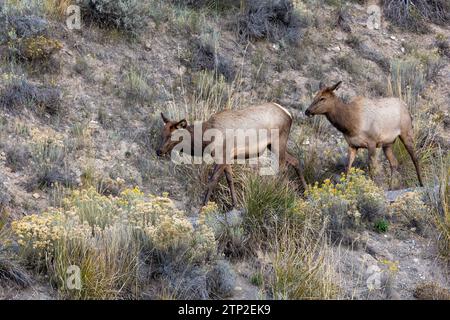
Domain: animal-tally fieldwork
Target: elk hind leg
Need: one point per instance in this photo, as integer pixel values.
(408, 142)
(293, 161)
(389, 153)
(229, 177)
(213, 180)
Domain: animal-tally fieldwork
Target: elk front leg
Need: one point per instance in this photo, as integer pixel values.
(372, 160)
(213, 180)
(351, 157)
(229, 176)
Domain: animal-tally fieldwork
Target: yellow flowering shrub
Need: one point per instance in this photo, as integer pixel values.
(350, 201)
(39, 47)
(104, 236)
(409, 204)
(411, 211)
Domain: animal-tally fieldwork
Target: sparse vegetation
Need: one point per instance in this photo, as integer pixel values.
(11, 271)
(137, 87)
(5, 197)
(205, 57)
(381, 226)
(124, 15)
(105, 238)
(348, 204)
(17, 156)
(273, 20)
(413, 16)
(80, 125)
(20, 94)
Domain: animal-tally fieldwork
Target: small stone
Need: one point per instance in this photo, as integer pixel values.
(36, 195)
(402, 49)
(393, 38)
(238, 288)
(336, 49)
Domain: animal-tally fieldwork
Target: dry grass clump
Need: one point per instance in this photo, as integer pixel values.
(204, 56)
(283, 233)
(411, 211)
(11, 271)
(17, 156)
(302, 265)
(107, 238)
(414, 15)
(5, 198)
(49, 163)
(268, 203)
(20, 93)
(290, 234)
(272, 20)
(138, 88)
(408, 81)
(431, 291)
(130, 16)
(439, 199)
(216, 5)
(56, 8)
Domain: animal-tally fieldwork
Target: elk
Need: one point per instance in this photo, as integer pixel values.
(368, 123)
(267, 116)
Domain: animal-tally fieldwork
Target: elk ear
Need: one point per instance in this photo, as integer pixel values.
(321, 85)
(164, 118)
(182, 124)
(336, 86)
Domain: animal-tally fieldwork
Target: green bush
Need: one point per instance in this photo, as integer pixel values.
(381, 225)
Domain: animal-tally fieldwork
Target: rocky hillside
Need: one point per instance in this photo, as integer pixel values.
(80, 122)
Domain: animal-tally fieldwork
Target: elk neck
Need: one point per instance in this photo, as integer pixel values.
(191, 129)
(344, 117)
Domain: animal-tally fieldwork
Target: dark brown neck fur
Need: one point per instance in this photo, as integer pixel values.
(204, 144)
(344, 117)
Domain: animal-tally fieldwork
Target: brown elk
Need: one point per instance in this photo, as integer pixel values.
(267, 116)
(368, 123)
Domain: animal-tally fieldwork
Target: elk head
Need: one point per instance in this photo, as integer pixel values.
(324, 101)
(166, 145)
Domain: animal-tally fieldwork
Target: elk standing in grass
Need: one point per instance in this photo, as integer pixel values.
(269, 116)
(369, 124)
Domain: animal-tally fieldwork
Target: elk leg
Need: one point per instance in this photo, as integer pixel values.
(229, 176)
(372, 159)
(280, 155)
(351, 157)
(388, 152)
(213, 180)
(409, 145)
(293, 161)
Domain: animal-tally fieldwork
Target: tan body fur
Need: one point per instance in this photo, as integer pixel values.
(267, 116)
(370, 124)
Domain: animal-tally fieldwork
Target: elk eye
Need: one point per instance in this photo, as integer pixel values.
(322, 99)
